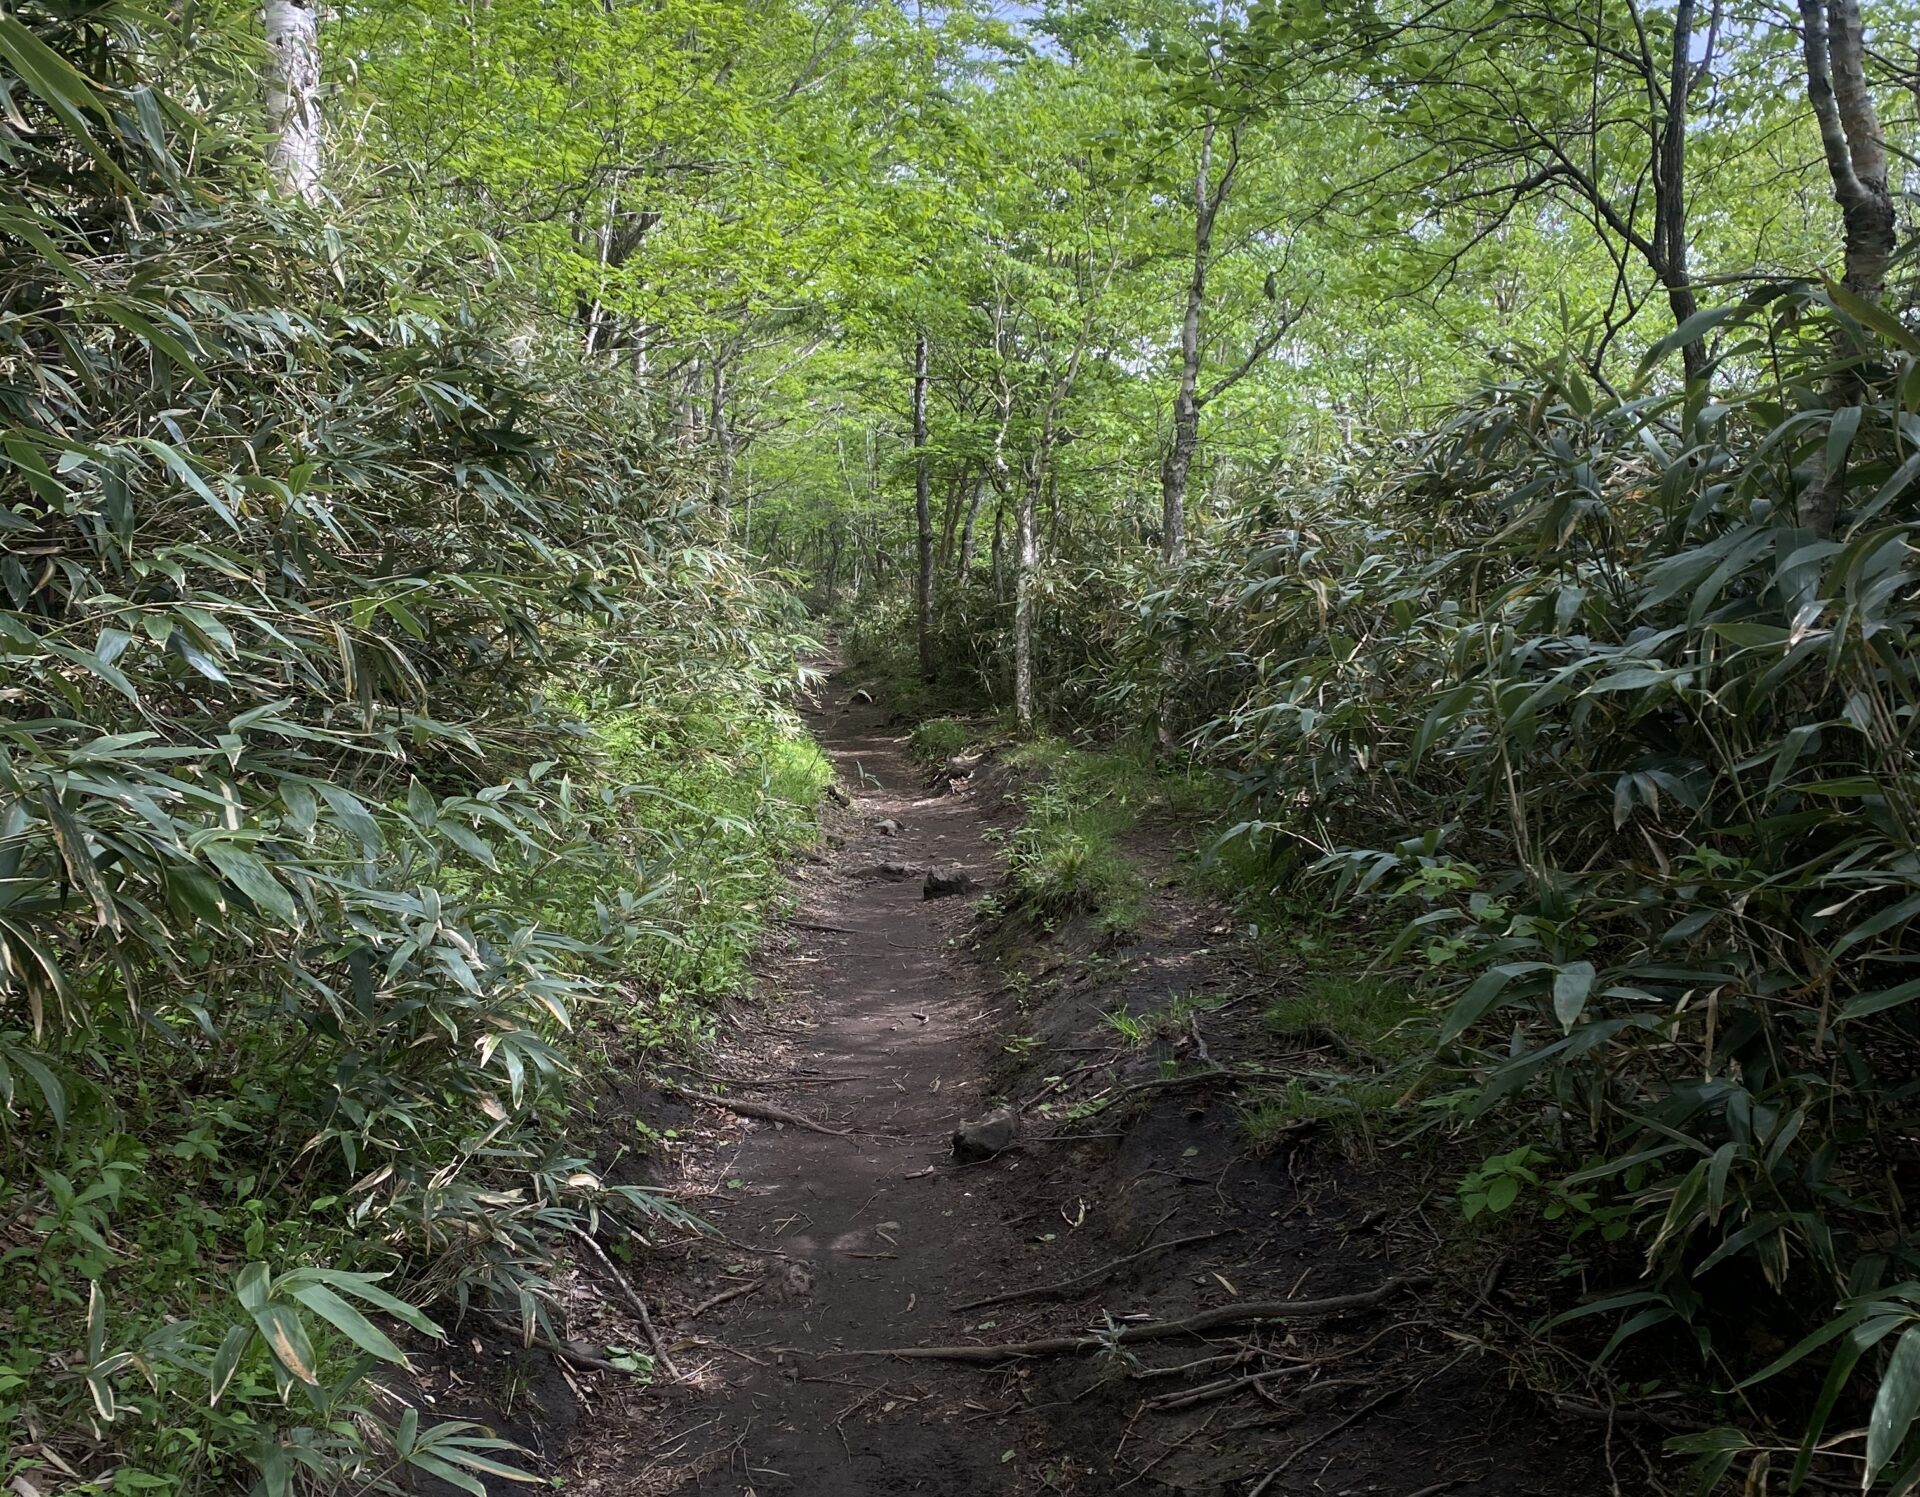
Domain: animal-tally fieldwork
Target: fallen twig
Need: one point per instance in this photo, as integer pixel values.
(765, 1111)
(634, 1302)
(1199, 1044)
(739, 1291)
(586, 1361)
(1059, 1081)
(1227, 1386)
(1327, 1434)
(1192, 1078)
(1093, 1275)
(1206, 1320)
(1603, 1414)
(770, 1082)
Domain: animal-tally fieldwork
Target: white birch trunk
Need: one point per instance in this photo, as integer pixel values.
(1028, 543)
(293, 96)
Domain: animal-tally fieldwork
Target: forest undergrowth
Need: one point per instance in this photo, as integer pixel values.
(1457, 465)
(1596, 761)
(389, 739)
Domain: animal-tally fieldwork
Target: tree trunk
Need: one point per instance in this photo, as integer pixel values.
(1000, 552)
(1670, 190)
(1856, 155)
(922, 509)
(1851, 139)
(950, 516)
(964, 568)
(1028, 564)
(293, 96)
(1178, 464)
(722, 433)
(833, 565)
(689, 420)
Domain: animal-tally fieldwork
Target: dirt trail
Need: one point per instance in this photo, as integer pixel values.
(883, 1019)
(881, 1230)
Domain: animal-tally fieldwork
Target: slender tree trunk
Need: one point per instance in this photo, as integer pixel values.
(964, 567)
(599, 321)
(950, 516)
(1670, 190)
(1178, 463)
(722, 432)
(833, 565)
(1023, 583)
(1856, 155)
(1000, 552)
(689, 417)
(922, 509)
(293, 96)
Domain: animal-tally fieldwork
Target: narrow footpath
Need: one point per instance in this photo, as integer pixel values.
(867, 1237)
(891, 1018)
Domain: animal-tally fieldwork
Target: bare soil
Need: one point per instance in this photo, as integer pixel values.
(1128, 1201)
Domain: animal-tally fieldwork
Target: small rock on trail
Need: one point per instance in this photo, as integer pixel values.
(942, 882)
(990, 1134)
(890, 873)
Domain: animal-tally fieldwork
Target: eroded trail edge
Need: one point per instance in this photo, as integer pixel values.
(1124, 1299)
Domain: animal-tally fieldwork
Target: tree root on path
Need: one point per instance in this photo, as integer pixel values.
(1092, 1275)
(1226, 1387)
(634, 1302)
(739, 1291)
(1398, 1391)
(770, 1082)
(765, 1111)
(574, 1356)
(1193, 1078)
(1162, 1330)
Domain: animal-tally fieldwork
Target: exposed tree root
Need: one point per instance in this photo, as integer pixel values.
(634, 1302)
(739, 1291)
(765, 1111)
(1091, 1276)
(1162, 1330)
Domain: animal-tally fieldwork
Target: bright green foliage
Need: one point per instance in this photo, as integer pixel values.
(1580, 691)
(394, 714)
(938, 739)
(378, 707)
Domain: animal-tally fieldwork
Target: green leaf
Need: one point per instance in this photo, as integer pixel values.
(79, 861)
(59, 86)
(1895, 1405)
(364, 1286)
(251, 876)
(252, 1286)
(1840, 433)
(226, 1361)
(287, 1338)
(348, 1321)
(1872, 315)
(1571, 985)
(1873, 1003)
(51, 1091)
(433, 1465)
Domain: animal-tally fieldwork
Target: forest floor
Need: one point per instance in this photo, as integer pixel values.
(1130, 1200)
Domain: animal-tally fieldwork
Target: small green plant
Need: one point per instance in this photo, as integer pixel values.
(1495, 1187)
(1355, 1107)
(1056, 869)
(1357, 1012)
(939, 739)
